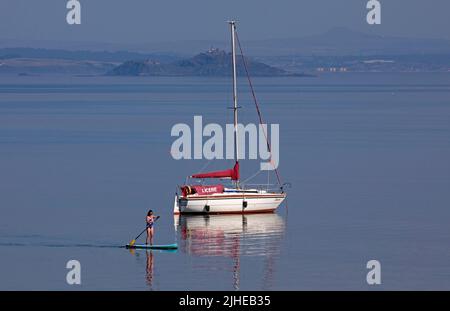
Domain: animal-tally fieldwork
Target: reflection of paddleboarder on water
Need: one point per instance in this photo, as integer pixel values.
(149, 268)
(150, 220)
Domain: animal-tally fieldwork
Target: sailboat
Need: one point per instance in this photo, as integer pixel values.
(237, 199)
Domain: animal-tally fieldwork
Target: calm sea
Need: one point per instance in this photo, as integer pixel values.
(82, 159)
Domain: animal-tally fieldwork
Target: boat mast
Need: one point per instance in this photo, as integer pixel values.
(235, 107)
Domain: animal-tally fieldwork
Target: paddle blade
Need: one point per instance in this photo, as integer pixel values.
(132, 242)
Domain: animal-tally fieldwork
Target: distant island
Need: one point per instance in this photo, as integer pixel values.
(214, 62)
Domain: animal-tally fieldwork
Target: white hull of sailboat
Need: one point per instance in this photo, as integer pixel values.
(228, 203)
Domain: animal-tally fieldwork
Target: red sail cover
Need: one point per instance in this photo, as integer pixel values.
(232, 173)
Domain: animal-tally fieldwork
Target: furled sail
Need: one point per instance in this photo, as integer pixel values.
(232, 173)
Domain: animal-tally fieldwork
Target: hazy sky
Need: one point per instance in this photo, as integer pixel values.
(135, 21)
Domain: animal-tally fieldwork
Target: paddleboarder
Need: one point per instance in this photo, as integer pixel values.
(150, 220)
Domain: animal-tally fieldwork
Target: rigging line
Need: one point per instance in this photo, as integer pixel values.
(257, 108)
(251, 177)
(205, 166)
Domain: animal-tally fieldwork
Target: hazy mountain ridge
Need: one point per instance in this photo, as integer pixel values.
(336, 41)
(104, 56)
(341, 41)
(40, 61)
(59, 66)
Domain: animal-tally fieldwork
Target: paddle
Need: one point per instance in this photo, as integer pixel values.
(134, 240)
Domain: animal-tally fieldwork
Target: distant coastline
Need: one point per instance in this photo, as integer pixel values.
(336, 51)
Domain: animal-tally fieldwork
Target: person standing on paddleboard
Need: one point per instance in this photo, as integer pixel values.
(150, 219)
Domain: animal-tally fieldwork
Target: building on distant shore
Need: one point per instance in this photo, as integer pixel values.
(331, 69)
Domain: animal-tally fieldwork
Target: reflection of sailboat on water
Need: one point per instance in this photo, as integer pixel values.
(215, 235)
(232, 236)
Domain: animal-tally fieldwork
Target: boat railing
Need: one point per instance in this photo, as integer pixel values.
(246, 186)
(266, 187)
